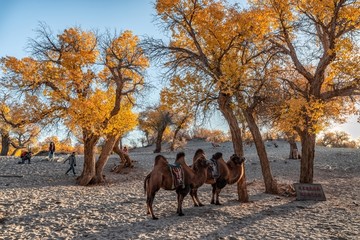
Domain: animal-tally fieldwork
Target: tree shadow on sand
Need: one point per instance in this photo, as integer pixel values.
(236, 224)
(171, 226)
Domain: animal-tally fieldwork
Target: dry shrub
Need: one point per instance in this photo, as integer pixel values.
(337, 140)
(180, 143)
(64, 145)
(217, 136)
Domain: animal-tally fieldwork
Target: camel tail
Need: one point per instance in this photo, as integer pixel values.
(146, 182)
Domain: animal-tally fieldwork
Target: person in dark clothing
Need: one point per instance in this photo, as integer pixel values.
(25, 156)
(51, 150)
(72, 162)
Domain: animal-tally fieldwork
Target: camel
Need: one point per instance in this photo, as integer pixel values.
(202, 177)
(229, 172)
(161, 177)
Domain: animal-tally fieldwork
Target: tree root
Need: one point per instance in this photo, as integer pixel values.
(122, 166)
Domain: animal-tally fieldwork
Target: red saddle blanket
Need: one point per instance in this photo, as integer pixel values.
(177, 174)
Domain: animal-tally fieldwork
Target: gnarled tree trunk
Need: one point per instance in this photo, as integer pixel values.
(5, 143)
(159, 139)
(172, 147)
(307, 157)
(118, 151)
(103, 158)
(88, 173)
(125, 160)
(270, 183)
(236, 137)
(294, 151)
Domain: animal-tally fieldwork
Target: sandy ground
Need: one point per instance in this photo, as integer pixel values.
(47, 204)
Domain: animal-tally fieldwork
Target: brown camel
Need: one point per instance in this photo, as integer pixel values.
(228, 172)
(202, 176)
(161, 177)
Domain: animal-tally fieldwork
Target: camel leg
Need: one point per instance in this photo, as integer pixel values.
(180, 201)
(217, 193)
(150, 196)
(199, 204)
(220, 184)
(213, 194)
(193, 194)
(149, 202)
(181, 194)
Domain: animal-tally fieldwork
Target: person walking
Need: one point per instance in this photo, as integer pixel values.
(51, 150)
(72, 162)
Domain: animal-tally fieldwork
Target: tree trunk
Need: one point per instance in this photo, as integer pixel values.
(159, 140)
(294, 151)
(118, 151)
(125, 160)
(270, 183)
(172, 147)
(236, 137)
(307, 157)
(89, 159)
(147, 138)
(5, 144)
(103, 158)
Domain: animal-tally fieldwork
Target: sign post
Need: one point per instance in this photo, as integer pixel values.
(307, 191)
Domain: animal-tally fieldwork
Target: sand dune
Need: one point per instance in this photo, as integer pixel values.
(47, 204)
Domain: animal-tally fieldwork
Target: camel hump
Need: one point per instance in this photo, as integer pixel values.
(199, 152)
(160, 159)
(180, 155)
(180, 158)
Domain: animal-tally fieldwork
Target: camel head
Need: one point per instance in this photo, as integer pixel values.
(201, 163)
(237, 160)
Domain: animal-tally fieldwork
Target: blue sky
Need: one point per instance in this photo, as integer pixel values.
(19, 19)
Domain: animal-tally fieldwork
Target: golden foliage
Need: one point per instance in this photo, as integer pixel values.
(300, 114)
(86, 98)
(313, 115)
(180, 99)
(90, 113)
(125, 61)
(218, 40)
(154, 121)
(79, 49)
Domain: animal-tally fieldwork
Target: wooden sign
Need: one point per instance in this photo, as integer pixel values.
(307, 191)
